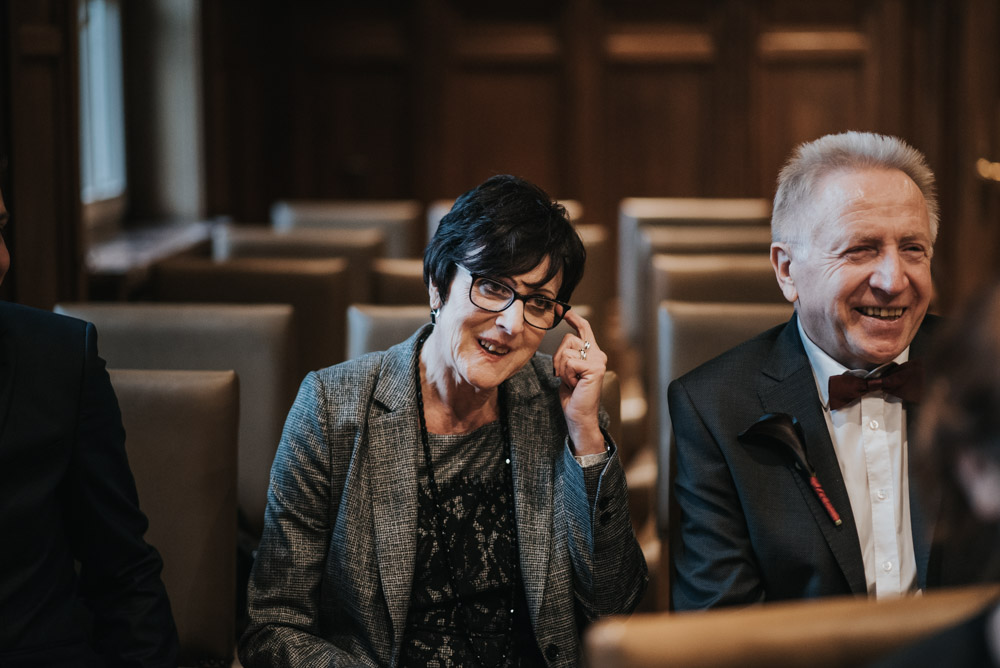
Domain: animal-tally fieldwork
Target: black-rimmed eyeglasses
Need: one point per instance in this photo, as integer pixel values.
(490, 295)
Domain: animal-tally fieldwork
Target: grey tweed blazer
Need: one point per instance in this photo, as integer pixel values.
(331, 583)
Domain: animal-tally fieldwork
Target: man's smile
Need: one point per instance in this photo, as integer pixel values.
(882, 312)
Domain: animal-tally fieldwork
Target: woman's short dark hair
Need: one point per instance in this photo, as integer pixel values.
(505, 227)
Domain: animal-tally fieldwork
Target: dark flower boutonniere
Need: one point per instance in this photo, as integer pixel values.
(783, 431)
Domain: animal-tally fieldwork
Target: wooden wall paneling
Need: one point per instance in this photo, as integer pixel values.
(885, 25)
(809, 82)
(925, 71)
(246, 94)
(44, 158)
(214, 108)
(585, 158)
(975, 126)
(660, 109)
(432, 23)
(735, 163)
(349, 133)
(931, 29)
(504, 106)
(311, 101)
(350, 108)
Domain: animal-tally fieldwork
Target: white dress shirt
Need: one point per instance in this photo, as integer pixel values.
(869, 437)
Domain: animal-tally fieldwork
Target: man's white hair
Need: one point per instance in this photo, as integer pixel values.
(799, 179)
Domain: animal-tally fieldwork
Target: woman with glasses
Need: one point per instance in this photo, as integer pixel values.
(455, 500)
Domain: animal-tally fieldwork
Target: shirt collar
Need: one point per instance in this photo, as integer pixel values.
(824, 366)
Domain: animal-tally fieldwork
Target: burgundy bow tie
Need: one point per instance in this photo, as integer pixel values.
(901, 380)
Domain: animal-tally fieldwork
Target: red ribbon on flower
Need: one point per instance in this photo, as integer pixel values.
(784, 430)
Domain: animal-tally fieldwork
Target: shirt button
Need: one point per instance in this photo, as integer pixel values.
(873, 424)
(887, 566)
(881, 495)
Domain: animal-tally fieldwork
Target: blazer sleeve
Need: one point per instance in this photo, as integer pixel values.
(714, 562)
(119, 571)
(609, 570)
(284, 594)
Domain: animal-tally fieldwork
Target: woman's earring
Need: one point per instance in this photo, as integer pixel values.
(434, 315)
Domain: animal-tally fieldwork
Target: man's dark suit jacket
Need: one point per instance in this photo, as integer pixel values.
(78, 584)
(749, 527)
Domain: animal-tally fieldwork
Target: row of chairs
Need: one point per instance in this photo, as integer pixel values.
(376, 275)
(694, 279)
(407, 224)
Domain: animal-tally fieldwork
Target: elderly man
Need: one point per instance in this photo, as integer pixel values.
(789, 484)
(79, 587)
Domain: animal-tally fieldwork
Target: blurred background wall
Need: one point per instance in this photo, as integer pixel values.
(229, 106)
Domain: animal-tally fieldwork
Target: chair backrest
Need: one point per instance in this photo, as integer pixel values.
(437, 209)
(254, 340)
(821, 633)
(317, 289)
(181, 431)
(635, 213)
(690, 333)
(686, 239)
(372, 327)
(359, 247)
(682, 240)
(398, 281)
(399, 220)
(723, 277)
(597, 286)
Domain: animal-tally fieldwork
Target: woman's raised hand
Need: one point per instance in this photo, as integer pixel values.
(580, 364)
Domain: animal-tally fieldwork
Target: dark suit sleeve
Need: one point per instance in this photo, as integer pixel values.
(714, 561)
(119, 571)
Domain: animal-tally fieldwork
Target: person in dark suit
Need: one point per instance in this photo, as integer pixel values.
(787, 484)
(958, 447)
(455, 500)
(79, 587)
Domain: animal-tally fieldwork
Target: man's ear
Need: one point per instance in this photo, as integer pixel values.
(781, 261)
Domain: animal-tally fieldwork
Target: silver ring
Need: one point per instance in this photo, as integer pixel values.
(583, 353)
(586, 345)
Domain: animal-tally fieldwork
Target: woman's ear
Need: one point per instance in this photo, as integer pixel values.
(434, 295)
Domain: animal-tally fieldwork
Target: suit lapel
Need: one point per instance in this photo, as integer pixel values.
(393, 442)
(533, 481)
(788, 386)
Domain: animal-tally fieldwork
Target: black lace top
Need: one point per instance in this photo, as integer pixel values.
(469, 470)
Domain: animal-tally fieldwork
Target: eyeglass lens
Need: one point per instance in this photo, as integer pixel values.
(539, 312)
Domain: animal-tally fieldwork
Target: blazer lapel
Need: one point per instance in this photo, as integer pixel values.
(530, 429)
(788, 386)
(393, 443)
